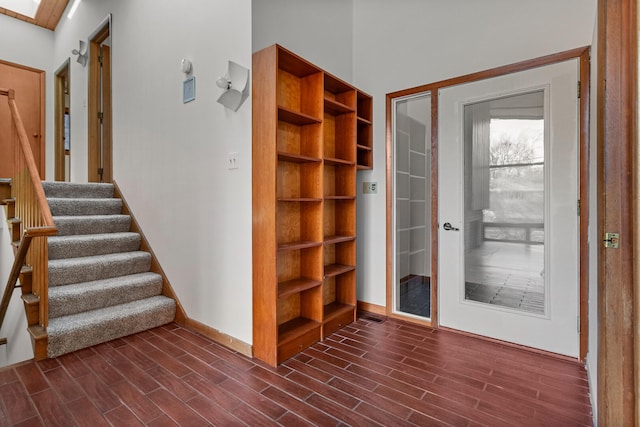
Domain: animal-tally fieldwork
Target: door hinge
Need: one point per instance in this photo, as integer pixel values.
(612, 240)
(578, 324)
(100, 57)
(578, 207)
(579, 90)
(100, 115)
(100, 172)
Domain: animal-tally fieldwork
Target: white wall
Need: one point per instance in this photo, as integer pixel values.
(319, 31)
(407, 43)
(170, 158)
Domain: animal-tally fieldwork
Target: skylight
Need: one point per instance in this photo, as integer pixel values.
(23, 7)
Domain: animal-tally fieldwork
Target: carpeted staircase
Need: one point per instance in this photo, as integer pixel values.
(100, 286)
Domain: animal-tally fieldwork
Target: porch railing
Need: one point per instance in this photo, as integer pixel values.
(32, 210)
(514, 232)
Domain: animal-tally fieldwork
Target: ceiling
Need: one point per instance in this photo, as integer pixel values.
(48, 14)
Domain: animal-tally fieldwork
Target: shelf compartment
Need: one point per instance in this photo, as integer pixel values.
(364, 106)
(332, 270)
(339, 301)
(297, 245)
(298, 222)
(337, 162)
(339, 219)
(294, 64)
(364, 137)
(336, 316)
(365, 159)
(339, 254)
(303, 263)
(339, 180)
(299, 88)
(298, 313)
(336, 108)
(299, 180)
(296, 335)
(295, 328)
(339, 137)
(296, 285)
(304, 141)
(338, 92)
(364, 133)
(297, 118)
(335, 309)
(297, 158)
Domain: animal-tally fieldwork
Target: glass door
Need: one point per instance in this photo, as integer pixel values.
(507, 198)
(412, 206)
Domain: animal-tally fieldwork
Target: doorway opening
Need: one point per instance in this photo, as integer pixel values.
(100, 140)
(499, 231)
(29, 87)
(62, 164)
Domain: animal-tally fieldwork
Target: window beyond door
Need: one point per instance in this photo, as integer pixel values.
(505, 202)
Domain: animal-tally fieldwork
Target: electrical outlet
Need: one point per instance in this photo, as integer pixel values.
(232, 160)
(370, 187)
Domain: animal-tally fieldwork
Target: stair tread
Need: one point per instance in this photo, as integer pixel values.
(99, 258)
(90, 224)
(76, 245)
(72, 189)
(78, 297)
(67, 206)
(73, 332)
(99, 236)
(84, 269)
(57, 324)
(101, 282)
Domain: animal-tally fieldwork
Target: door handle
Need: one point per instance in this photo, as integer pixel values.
(447, 226)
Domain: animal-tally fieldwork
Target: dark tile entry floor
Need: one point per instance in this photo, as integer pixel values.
(369, 373)
(415, 296)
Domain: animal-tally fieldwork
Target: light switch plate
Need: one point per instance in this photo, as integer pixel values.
(370, 187)
(232, 160)
(189, 89)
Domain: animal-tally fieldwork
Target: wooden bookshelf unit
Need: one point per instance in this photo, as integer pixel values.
(311, 133)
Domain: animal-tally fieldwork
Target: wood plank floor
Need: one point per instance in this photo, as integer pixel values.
(372, 372)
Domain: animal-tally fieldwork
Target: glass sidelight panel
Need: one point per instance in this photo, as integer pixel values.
(504, 202)
(412, 198)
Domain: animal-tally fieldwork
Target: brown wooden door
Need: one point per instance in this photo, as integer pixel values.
(99, 148)
(28, 84)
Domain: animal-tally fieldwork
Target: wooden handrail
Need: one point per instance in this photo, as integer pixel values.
(32, 209)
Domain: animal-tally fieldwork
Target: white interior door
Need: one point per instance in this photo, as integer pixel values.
(508, 220)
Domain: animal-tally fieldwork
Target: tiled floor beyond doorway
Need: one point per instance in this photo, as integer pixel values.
(415, 296)
(506, 274)
(373, 372)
